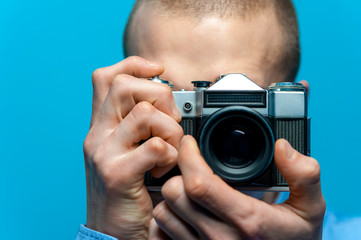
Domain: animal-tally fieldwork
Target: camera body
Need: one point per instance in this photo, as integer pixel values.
(236, 124)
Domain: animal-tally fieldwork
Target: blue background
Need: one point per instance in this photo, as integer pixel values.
(48, 51)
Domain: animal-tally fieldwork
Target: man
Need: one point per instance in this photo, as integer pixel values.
(184, 41)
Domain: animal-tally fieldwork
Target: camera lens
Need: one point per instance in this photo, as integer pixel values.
(234, 145)
(237, 142)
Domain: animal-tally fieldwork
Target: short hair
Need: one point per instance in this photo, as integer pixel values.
(290, 54)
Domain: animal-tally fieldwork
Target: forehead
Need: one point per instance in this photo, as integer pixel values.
(202, 49)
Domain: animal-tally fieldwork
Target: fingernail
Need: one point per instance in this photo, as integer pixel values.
(187, 139)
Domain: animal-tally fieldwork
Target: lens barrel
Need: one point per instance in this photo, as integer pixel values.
(237, 143)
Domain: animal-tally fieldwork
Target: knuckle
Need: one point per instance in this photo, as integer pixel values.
(313, 171)
(121, 89)
(143, 109)
(166, 91)
(99, 76)
(120, 83)
(197, 187)
(157, 146)
(88, 146)
(178, 131)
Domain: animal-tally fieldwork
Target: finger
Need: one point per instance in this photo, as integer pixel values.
(143, 122)
(122, 146)
(306, 85)
(204, 222)
(126, 91)
(155, 232)
(303, 176)
(135, 66)
(121, 171)
(171, 224)
(211, 192)
(124, 94)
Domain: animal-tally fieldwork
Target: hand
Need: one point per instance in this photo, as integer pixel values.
(126, 111)
(199, 205)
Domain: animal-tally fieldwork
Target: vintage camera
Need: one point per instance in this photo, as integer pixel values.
(236, 123)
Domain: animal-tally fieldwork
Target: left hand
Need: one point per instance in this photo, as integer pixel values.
(200, 205)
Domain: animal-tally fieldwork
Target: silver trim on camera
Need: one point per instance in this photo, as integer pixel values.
(286, 100)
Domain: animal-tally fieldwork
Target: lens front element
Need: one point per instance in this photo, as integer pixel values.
(237, 142)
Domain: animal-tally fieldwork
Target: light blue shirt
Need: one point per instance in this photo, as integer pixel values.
(85, 233)
(335, 227)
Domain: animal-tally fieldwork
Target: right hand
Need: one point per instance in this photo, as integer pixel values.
(127, 110)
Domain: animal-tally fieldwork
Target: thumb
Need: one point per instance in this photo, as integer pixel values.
(303, 176)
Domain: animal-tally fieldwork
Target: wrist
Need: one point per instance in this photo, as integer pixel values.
(131, 231)
(87, 233)
(122, 221)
